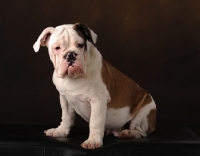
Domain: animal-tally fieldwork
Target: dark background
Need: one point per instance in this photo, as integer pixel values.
(155, 42)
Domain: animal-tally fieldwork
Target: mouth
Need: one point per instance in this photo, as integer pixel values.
(74, 71)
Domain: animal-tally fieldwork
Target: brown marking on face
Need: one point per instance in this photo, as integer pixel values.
(123, 90)
(84, 32)
(151, 121)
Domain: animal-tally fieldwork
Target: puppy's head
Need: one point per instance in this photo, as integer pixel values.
(69, 48)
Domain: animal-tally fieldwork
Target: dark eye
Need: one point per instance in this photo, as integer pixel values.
(80, 45)
(57, 48)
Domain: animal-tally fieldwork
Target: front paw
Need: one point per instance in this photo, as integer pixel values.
(56, 132)
(92, 144)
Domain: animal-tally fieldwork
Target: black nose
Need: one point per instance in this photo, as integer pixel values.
(71, 57)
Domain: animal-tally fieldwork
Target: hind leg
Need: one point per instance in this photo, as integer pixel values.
(132, 133)
(142, 124)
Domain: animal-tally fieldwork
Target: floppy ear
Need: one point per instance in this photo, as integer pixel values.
(85, 32)
(43, 38)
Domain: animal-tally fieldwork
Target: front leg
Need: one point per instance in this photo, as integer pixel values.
(68, 116)
(97, 124)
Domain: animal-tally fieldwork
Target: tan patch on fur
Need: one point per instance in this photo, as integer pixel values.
(152, 120)
(123, 90)
(147, 100)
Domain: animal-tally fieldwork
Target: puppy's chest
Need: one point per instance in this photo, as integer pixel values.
(81, 105)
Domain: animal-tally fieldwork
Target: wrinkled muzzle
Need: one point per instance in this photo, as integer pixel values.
(70, 65)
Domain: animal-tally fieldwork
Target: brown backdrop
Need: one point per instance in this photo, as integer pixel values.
(155, 42)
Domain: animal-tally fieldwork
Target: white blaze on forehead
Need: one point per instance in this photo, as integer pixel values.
(58, 33)
(65, 32)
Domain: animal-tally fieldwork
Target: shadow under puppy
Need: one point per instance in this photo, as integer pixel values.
(91, 87)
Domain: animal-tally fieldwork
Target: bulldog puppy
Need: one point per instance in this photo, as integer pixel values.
(91, 87)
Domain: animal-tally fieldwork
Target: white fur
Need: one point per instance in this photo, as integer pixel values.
(140, 122)
(116, 118)
(86, 94)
